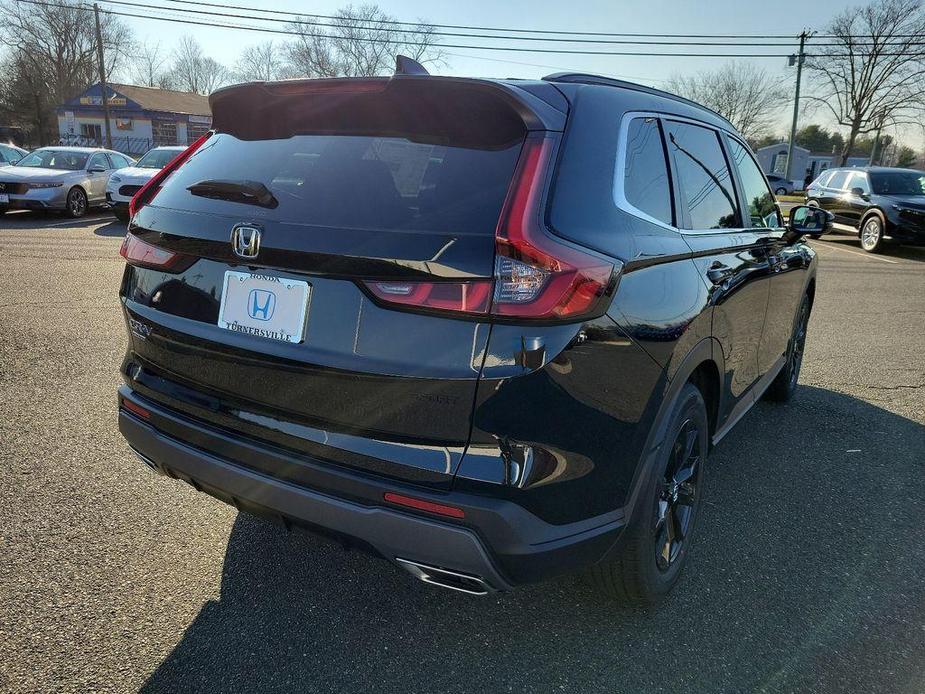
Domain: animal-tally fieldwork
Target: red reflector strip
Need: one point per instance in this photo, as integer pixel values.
(135, 409)
(422, 505)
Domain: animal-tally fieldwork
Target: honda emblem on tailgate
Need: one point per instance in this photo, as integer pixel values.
(245, 240)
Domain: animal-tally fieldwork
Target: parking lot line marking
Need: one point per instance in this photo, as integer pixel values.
(76, 221)
(868, 256)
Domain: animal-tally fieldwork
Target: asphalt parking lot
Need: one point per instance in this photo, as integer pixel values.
(806, 576)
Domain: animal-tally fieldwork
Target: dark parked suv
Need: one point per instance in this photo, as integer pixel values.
(486, 329)
(881, 203)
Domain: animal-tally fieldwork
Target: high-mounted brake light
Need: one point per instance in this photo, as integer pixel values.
(536, 276)
(147, 192)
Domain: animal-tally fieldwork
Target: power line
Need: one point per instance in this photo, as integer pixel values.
(361, 25)
(515, 49)
(792, 37)
(376, 26)
(506, 29)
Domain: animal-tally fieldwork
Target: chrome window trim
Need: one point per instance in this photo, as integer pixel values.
(619, 174)
(619, 194)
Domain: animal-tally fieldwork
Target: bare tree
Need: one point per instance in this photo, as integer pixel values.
(262, 61)
(874, 71)
(193, 71)
(149, 66)
(745, 95)
(359, 41)
(52, 49)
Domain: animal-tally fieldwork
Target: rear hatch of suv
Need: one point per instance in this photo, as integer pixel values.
(319, 273)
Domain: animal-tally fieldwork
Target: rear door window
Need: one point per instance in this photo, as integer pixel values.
(859, 180)
(762, 210)
(839, 180)
(645, 171)
(337, 181)
(99, 161)
(708, 196)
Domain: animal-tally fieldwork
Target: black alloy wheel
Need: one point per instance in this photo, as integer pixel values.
(677, 495)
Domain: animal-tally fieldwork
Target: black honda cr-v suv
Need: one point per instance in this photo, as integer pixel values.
(487, 329)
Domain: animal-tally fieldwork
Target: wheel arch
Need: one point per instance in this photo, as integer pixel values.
(703, 366)
(873, 211)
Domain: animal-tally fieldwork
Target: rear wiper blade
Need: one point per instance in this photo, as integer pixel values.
(248, 192)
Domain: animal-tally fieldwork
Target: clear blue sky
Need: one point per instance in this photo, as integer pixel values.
(649, 16)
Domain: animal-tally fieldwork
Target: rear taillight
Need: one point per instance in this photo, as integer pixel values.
(147, 192)
(142, 254)
(465, 297)
(536, 276)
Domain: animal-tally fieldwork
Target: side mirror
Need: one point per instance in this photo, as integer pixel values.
(96, 169)
(806, 220)
(859, 193)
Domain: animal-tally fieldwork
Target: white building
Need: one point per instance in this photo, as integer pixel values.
(140, 118)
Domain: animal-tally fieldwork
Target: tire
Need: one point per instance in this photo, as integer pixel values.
(649, 563)
(812, 203)
(871, 234)
(121, 215)
(780, 191)
(784, 385)
(76, 205)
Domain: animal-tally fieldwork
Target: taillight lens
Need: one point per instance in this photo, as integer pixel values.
(536, 276)
(147, 192)
(464, 297)
(138, 252)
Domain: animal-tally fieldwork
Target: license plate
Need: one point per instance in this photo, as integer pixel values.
(4, 197)
(264, 306)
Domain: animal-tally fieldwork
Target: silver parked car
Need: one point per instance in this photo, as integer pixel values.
(71, 179)
(10, 154)
(780, 185)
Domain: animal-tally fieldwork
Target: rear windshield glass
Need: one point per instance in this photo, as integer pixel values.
(352, 182)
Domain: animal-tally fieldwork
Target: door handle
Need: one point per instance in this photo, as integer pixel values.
(719, 273)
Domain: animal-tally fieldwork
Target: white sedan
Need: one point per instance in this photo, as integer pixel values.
(124, 183)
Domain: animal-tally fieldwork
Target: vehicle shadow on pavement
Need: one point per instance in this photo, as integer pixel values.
(113, 229)
(805, 576)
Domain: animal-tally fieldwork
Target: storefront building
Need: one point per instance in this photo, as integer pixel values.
(140, 118)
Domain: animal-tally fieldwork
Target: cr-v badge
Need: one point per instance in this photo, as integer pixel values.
(245, 240)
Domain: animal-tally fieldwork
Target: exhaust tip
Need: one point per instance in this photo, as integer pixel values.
(452, 580)
(150, 463)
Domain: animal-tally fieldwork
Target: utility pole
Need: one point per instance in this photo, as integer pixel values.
(876, 145)
(796, 104)
(103, 87)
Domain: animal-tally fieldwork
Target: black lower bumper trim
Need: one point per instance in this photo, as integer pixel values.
(499, 541)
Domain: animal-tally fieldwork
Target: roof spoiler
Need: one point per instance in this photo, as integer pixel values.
(422, 108)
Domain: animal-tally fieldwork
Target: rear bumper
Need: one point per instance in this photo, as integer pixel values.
(499, 542)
